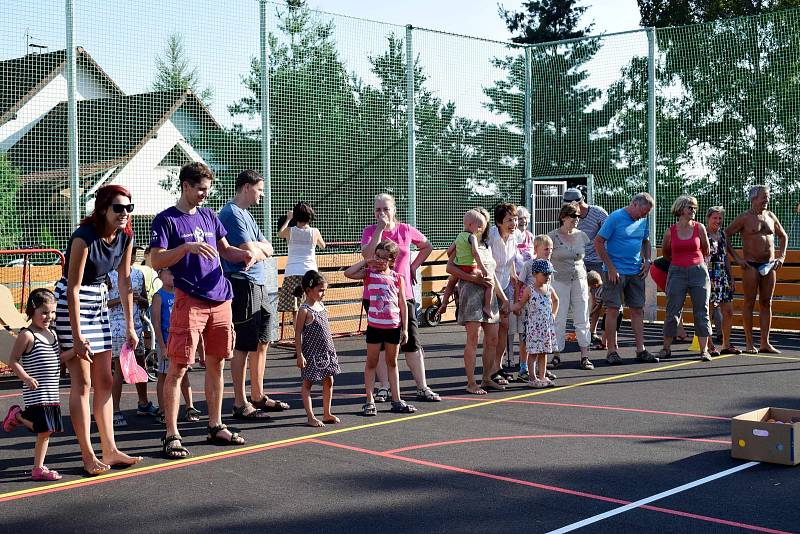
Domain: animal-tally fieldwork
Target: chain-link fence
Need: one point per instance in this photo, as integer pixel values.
(160, 84)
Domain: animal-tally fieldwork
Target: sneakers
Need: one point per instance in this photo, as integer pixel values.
(664, 353)
(586, 364)
(614, 358)
(705, 356)
(523, 377)
(646, 357)
(555, 361)
(119, 420)
(146, 409)
(550, 376)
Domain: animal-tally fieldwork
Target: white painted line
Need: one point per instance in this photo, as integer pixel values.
(648, 500)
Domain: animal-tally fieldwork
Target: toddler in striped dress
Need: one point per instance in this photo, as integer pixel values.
(35, 360)
(387, 321)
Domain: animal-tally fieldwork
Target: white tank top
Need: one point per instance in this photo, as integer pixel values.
(302, 256)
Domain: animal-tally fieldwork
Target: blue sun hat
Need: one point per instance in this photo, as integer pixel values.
(542, 266)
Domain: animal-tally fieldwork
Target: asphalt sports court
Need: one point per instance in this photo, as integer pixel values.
(638, 447)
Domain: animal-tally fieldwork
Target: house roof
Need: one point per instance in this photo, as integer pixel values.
(21, 78)
(110, 132)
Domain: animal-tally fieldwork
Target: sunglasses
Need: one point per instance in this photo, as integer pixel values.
(119, 208)
(575, 216)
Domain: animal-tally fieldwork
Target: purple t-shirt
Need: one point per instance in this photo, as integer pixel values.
(198, 276)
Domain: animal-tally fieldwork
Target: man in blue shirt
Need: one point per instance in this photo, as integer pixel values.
(251, 307)
(621, 243)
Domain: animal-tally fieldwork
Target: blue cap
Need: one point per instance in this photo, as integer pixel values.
(542, 266)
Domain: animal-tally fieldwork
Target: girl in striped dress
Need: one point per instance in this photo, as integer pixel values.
(34, 359)
(387, 321)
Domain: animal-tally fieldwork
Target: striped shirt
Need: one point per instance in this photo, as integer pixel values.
(42, 363)
(383, 293)
(590, 225)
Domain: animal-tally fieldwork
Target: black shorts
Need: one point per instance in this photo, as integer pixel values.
(412, 344)
(45, 417)
(383, 335)
(253, 310)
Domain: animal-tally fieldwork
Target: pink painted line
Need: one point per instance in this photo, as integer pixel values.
(547, 487)
(551, 436)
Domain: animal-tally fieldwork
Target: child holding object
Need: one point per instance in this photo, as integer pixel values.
(163, 302)
(313, 345)
(35, 360)
(542, 304)
(465, 248)
(387, 321)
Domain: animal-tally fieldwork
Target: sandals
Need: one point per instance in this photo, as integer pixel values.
(427, 394)
(555, 361)
(614, 358)
(731, 350)
(402, 406)
(277, 406)
(44, 474)
(10, 422)
(214, 438)
(242, 413)
(382, 395)
(664, 353)
(192, 415)
(369, 410)
(499, 379)
(171, 450)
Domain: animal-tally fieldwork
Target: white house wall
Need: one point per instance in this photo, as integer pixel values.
(52, 94)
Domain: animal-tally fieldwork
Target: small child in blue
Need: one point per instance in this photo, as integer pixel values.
(540, 334)
(313, 342)
(35, 360)
(163, 301)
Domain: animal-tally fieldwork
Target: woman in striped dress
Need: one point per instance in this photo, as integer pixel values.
(103, 242)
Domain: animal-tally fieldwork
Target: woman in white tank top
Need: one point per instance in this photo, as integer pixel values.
(302, 240)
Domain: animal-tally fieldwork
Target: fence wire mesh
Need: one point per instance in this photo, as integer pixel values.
(162, 84)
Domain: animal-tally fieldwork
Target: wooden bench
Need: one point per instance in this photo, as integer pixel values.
(785, 302)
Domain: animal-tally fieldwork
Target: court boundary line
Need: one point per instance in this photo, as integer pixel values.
(546, 487)
(137, 471)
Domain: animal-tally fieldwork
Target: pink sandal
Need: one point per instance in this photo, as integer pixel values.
(44, 474)
(10, 422)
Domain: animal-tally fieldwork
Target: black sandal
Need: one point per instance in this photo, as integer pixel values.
(214, 439)
(172, 451)
(255, 413)
(262, 405)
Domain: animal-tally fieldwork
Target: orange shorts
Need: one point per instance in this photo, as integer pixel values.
(193, 317)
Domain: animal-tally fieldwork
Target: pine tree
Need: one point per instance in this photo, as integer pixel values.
(175, 71)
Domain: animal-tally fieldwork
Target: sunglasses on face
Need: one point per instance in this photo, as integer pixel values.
(574, 216)
(119, 208)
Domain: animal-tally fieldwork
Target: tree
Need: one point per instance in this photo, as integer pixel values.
(9, 222)
(174, 71)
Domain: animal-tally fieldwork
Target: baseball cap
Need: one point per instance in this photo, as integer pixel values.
(542, 266)
(572, 195)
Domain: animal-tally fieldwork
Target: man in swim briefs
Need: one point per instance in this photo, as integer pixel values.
(758, 227)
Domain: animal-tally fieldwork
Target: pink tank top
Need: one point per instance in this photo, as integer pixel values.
(686, 252)
(383, 293)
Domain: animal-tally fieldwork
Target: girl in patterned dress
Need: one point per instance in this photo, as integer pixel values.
(313, 342)
(35, 360)
(542, 303)
(722, 286)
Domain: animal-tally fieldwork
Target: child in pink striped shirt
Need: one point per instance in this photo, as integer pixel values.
(387, 321)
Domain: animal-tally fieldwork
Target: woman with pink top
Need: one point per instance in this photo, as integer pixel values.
(686, 246)
(405, 235)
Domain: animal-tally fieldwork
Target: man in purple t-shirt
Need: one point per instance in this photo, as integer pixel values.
(189, 240)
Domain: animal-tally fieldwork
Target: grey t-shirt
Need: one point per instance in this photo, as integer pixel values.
(567, 258)
(590, 225)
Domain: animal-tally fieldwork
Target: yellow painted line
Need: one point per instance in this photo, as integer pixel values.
(171, 464)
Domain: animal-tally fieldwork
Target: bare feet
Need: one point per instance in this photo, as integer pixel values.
(95, 467)
(475, 390)
(119, 458)
(331, 419)
(314, 422)
(491, 384)
(769, 349)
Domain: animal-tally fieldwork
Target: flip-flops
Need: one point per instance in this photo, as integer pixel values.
(10, 422)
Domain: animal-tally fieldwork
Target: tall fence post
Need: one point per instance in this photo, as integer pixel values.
(527, 137)
(651, 308)
(265, 129)
(412, 170)
(72, 118)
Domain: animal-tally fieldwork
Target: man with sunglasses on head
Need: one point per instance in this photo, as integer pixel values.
(189, 240)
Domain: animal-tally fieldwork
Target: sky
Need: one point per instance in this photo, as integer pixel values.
(221, 38)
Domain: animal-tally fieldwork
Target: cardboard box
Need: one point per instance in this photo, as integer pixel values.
(754, 438)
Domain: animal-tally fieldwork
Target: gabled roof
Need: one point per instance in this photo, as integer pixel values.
(110, 132)
(21, 78)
